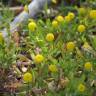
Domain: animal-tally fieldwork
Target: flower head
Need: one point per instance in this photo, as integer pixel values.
(88, 66)
(26, 8)
(70, 46)
(71, 15)
(50, 37)
(52, 68)
(55, 23)
(32, 26)
(27, 77)
(67, 18)
(82, 11)
(81, 87)
(92, 14)
(38, 58)
(81, 28)
(54, 1)
(60, 18)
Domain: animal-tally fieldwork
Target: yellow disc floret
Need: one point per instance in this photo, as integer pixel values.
(55, 24)
(92, 14)
(32, 26)
(82, 11)
(67, 18)
(38, 58)
(54, 1)
(81, 87)
(27, 77)
(26, 8)
(71, 15)
(70, 46)
(81, 28)
(88, 66)
(52, 68)
(60, 18)
(50, 37)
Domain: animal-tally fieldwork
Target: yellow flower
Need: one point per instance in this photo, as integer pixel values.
(60, 18)
(81, 88)
(81, 28)
(1, 38)
(92, 14)
(71, 15)
(67, 18)
(55, 23)
(86, 45)
(70, 46)
(82, 11)
(26, 8)
(52, 68)
(27, 77)
(88, 66)
(32, 26)
(54, 1)
(38, 58)
(50, 37)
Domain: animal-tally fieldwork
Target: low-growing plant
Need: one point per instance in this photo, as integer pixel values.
(55, 57)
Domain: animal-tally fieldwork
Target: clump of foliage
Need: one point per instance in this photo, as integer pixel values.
(54, 57)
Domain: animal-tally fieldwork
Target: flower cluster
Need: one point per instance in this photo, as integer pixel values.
(58, 53)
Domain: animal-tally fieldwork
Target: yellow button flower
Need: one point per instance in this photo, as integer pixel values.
(71, 15)
(38, 58)
(54, 1)
(32, 26)
(92, 14)
(70, 46)
(52, 68)
(82, 11)
(67, 18)
(1, 38)
(50, 37)
(27, 77)
(55, 23)
(60, 18)
(26, 8)
(81, 88)
(81, 28)
(88, 66)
